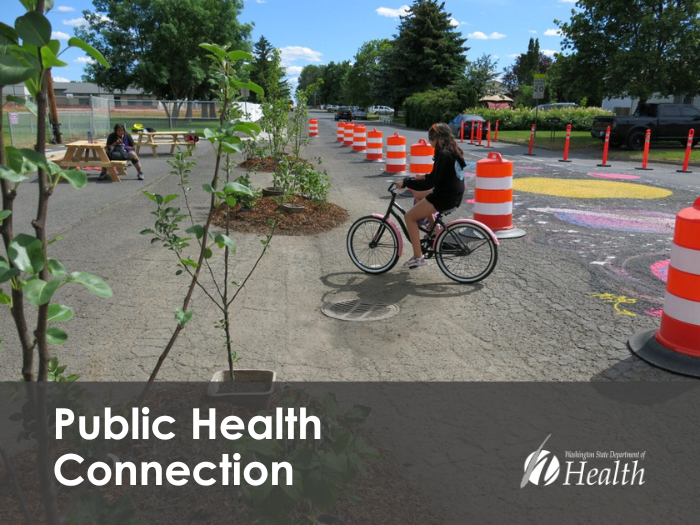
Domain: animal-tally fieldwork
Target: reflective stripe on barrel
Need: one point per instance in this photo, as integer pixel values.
(421, 157)
(359, 142)
(374, 145)
(396, 154)
(493, 197)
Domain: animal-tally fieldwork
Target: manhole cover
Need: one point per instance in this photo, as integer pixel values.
(358, 311)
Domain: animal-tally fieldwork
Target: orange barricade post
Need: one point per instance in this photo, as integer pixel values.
(421, 158)
(396, 154)
(359, 141)
(566, 144)
(461, 132)
(645, 158)
(676, 345)
(471, 141)
(691, 134)
(495, 135)
(374, 146)
(349, 134)
(340, 134)
(605, 150)
(313, 127)
(479, 130)
(488, 135)
(493, 197)
(532, 142)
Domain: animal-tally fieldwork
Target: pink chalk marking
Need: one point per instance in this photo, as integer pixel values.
(660, 269)
(654, 312)
(619, 176)
(470, 201)
(527, 168)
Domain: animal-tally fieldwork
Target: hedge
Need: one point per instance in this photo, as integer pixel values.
(581, 119)
(425, 109)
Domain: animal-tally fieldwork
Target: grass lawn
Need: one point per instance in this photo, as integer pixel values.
(582, 140)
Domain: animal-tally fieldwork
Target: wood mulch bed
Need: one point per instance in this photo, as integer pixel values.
(317, 217)
(388, 496)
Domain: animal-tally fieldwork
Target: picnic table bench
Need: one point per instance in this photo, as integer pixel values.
(154, 139)
(84, 154)
(385, 119)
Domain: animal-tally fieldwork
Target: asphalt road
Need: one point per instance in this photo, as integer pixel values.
(560, 306)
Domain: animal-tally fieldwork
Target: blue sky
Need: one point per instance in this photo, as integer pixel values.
(321, 31)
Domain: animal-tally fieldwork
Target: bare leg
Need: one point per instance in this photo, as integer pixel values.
(421, 210)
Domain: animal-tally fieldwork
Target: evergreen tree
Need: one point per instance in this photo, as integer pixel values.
(428, 52)
(529, 63)
(266, 71)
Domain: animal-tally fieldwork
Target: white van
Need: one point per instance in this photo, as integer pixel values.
(381, 110)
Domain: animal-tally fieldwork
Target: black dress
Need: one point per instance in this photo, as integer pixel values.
(448, 188)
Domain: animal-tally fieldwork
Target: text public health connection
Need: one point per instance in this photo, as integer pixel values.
(178, 473)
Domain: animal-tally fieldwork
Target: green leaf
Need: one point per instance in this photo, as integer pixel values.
(224, 240)
(236, 187)
(188, 262)
(5, 299)
(208, 188)
(169, 198)
(197, 229)
(14, 71)
(38, 291)
(56, 268)
(56, 336)
(11, 175)
(91, 51)
(150, 195)
(7, 273)
(295, 491)
(35, 158)
(357, 414)
(4, 214)
(207, 253)
(8, 36)
(214, 49)
(323, 494)
(34, 29)
(237, 55)
(182, 317)
(26, 253)
(232, 147)
(59, 313)
(94, 284)
(30, 105)
(330, 405)
(76, 178)
(49, 59)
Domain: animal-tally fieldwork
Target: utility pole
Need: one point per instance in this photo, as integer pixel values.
(53, 111)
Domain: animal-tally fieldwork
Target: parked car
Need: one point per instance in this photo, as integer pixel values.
(666, 122)
(332, 108)
(359, 113)
(456, 124)
(381, 110)
(344, 113)
(558, 105)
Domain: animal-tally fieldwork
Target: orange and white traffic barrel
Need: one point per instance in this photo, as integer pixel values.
(359, 141)
(421, 158)
(374, 146)
(349, 134)
(313, 127)
(396, 154)
(676, 345)
(493, 197)
(340, 134)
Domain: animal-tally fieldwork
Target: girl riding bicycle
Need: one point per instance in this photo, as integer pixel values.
(440, 190)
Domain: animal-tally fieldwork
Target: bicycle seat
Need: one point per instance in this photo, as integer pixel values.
(447, 212)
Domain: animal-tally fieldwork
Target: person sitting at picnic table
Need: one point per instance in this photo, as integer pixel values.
(120, 146)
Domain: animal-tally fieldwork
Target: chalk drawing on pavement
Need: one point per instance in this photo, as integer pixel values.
(660, 269)
(621, 220)
(588, 189)
(618, 176)
(617, 300)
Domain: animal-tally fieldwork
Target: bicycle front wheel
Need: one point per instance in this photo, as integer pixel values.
(466, 253)
(373, 245)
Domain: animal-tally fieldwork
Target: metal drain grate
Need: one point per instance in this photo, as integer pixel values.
(357, 311)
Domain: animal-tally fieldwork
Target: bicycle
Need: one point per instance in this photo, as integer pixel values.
(465, 250)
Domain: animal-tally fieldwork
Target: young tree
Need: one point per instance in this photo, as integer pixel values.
(635, 48)
(154, 44)
(333, 88)
(266, 71)
(481, 75)
(428, 53)
(364, 71)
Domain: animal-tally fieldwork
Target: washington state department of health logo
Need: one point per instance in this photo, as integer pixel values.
(541, 467)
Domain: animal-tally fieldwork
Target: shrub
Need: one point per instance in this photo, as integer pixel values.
(581, 119)
(425, 109)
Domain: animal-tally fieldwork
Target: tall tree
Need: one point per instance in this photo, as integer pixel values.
(428, 52)
(635, 47)
(266, 71)
(309, 75)
(333, 90)
(154, 44)
(482, 74)
(529, 63)
(365, 70)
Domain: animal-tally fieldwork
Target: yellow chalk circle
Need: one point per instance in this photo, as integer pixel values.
(589, 189)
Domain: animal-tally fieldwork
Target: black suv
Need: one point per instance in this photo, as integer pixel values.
(344, 113)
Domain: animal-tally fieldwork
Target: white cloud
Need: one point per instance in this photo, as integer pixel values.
(478, 35)
(260, 1)
(65, 9)
(75, 22)
(549, 52)
(84, 60)
(514, 55)
(58, 35)
(393, 13)
(294, 70)
(568, 1)
(532, 31)
(552, 32)
(60, 79)
(292, 53)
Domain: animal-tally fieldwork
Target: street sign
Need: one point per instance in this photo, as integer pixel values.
(14, 118)
(245, 93)
(538, 88)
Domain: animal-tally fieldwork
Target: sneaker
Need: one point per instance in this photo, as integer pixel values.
(139, 175)
(415, 262)
(103, 175)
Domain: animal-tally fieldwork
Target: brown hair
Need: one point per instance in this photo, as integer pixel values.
(444, 140)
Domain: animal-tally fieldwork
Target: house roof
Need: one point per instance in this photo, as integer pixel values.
(496, 98)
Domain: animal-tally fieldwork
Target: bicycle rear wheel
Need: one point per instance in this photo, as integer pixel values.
(466, 253)
(373, 245)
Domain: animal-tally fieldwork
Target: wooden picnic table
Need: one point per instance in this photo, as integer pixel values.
(154, 139)
(84, 154)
